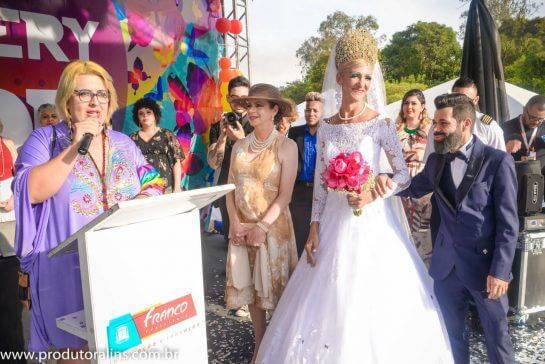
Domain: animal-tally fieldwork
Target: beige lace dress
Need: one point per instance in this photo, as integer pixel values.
(258, 275)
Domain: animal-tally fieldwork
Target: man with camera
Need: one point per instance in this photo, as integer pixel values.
(223, 135)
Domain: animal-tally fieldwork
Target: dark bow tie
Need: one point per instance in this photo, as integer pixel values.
(452, 156)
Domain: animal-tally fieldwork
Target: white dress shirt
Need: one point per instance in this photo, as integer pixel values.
(458, 167)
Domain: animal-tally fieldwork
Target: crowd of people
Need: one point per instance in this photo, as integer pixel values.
(339, 286)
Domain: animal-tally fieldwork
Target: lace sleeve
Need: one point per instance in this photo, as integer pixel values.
(390, 143)
(320, 191)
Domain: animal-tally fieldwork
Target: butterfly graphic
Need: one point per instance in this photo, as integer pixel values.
(197, 103)
(158, 92)
(137, 74)
(187, 46)
(164, 54)
(140, 30)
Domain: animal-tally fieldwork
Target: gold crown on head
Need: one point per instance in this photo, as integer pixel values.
(354, 45)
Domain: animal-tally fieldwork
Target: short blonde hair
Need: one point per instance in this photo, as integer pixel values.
(313, 96)
(67, 84)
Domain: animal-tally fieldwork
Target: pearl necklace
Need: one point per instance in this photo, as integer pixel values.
(257, 146)
(355, 116)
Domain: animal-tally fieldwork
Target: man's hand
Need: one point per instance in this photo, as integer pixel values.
(495, 287)
(232, 133)
(383, 184)
(513, 146)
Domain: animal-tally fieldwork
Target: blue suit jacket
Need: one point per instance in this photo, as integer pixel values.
(477, 236)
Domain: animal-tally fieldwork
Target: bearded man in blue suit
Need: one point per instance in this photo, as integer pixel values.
(476, 191)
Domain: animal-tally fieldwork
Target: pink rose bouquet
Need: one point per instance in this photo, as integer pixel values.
(349, 174)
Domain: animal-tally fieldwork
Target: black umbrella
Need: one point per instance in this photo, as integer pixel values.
(481, 61)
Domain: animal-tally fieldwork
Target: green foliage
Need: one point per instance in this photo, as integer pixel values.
(523, 52)
(316, 49)
(295, 90)
(428, 52)
(395, 90)
(314, 52)
(502, 10)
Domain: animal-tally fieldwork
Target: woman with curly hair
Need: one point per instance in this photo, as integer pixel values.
(159, 146)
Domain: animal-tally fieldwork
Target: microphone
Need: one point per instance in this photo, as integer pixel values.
(85, 143)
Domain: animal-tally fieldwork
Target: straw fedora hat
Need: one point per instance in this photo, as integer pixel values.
(264, 91)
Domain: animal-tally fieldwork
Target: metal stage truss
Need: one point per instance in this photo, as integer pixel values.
(237, 47)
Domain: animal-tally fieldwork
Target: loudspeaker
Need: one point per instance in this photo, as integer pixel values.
(530, 187)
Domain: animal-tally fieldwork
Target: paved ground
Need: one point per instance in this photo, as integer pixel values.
(230, 339)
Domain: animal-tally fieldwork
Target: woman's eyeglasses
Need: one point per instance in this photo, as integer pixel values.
(84, 95)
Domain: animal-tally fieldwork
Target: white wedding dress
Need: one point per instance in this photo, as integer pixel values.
(369, 298)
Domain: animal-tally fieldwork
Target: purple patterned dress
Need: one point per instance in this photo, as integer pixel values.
(55, 284)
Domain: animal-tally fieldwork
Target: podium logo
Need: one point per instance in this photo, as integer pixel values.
(122, 334)
(159, 318)
(127, 331)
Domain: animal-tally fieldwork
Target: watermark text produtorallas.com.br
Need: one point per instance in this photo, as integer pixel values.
(149, 354)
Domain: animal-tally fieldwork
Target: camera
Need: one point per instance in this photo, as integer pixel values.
(232, 119)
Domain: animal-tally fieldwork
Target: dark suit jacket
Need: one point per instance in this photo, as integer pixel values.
(478, 236)
(298, 135)
(511, 130)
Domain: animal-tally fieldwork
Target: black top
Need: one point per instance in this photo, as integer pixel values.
(162, 150)
(297, 134)
(214, 136)
(511, 130)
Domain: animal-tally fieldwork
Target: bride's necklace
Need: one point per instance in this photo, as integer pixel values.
(257, 146)
(354, 116)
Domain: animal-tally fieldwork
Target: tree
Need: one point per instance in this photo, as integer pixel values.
(523, 52)
(313, 49)
(428, 52)
(295, 91)
(395, 90)
(313, 54)
(503, 10)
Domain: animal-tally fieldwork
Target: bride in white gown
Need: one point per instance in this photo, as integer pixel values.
(368, 297)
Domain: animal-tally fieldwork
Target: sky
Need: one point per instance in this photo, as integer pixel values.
(277, 28)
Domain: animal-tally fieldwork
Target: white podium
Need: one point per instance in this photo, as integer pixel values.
(142, 280)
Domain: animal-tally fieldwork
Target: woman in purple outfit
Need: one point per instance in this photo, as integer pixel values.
(57, 191)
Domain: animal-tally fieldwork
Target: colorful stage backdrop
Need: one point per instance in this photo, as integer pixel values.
(167, 50)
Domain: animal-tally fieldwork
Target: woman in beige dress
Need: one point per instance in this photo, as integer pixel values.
(413, 126)
(262, 252)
